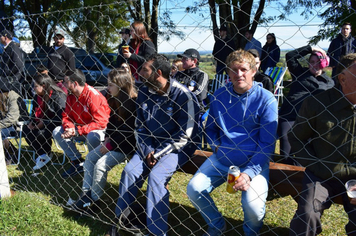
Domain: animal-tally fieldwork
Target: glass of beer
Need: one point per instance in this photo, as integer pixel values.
(125, 49)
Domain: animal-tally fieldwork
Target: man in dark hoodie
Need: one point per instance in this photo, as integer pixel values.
(60, 60)
(195, 79)
(343, 44)
(222, 48)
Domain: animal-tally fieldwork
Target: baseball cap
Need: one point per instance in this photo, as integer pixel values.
(324, 60)
(190, 53)
(6, 33)
(59, 32)
(124, 31)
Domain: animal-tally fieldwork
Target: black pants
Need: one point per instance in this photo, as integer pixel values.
(316, 197)
(39, 139)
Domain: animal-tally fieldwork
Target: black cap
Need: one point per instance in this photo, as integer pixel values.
(5, 85)
(190, 53)
(125, 31)
(6, 33)
(223, 28)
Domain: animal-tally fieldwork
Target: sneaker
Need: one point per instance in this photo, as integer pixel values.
(75, 168)
(213, 231)
(41, 161)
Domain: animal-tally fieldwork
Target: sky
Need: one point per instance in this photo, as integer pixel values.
(290, 34)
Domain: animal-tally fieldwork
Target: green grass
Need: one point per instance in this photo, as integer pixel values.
(38, 207)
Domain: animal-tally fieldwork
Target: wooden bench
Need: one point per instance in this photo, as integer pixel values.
(284, 179)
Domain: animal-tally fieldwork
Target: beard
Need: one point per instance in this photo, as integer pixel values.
(152, 83)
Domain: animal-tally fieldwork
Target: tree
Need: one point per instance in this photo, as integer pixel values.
(338, 12)
(238, 15)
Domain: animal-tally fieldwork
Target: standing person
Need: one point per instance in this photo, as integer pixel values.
(85, 117)
(306, 81)
(125, 36)
(222, 48)
(163, 144)
(270, 53)
(253, 43)
(322, 140)
(266, 81)
(49, 103)
(141, 47)
(242, 132)
(195, 79)
(61, 60)
(12, 67)
(342, 45)
(119, 138)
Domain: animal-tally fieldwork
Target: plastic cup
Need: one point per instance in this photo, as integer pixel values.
(351, 188)
(125, 49)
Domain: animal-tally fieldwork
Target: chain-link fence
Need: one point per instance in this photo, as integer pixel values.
(131, 138)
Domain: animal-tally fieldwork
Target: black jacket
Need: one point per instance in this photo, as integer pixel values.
(146, 49)
(340, 47)
(199, 80)
(12, 62)
(55, 106)
(222, 48)
(59, 61)
(304, 84)
(121, 133)
(265, 80)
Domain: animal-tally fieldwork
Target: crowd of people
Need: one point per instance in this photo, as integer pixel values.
(150, 114)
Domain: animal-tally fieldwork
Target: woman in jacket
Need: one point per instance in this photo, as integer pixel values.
(305, 82)
(270, 53)
(49, 103)
(141, 47)
(119, 139)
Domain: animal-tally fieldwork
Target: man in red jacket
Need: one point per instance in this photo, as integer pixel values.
(85, 117)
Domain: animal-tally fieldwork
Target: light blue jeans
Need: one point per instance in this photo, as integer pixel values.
(93, 140)
(211, 175)
(96, 167)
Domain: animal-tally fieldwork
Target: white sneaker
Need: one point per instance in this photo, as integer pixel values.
(41, 161)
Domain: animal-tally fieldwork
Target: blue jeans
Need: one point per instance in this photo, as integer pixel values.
(132, 178)
(96, 167)
(211, 175)
(93, 140)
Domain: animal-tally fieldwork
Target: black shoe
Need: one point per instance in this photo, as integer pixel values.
(84, 201)
(75, 168)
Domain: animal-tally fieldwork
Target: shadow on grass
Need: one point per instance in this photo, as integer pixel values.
(184, 220)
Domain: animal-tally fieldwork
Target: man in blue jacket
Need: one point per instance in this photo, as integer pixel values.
(166, 126)
(241, 129)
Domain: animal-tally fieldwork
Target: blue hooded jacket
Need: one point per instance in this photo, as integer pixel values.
(242, 128)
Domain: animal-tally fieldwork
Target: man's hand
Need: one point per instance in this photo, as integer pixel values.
(242, 183)
(68, 133)
(31, 126)
(151, 161)
(103, 149)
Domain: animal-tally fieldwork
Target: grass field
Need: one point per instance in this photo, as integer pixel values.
(38, 207)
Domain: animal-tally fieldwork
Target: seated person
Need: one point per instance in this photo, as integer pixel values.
(85, 117)
(164, 142)
(12, 108)
(119, 137)
(49, 103)
(242, 132)
(266, 81)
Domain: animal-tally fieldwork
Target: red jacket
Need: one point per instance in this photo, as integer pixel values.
(90, 111)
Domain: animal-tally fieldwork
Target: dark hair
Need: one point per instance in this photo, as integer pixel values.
(160, 62)
(274, 38)
(347, 23)
(249, 31)
(141, 32)
(76, 76)
(41, 68)
(120, 104)
(345, 62)
(48, 85)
